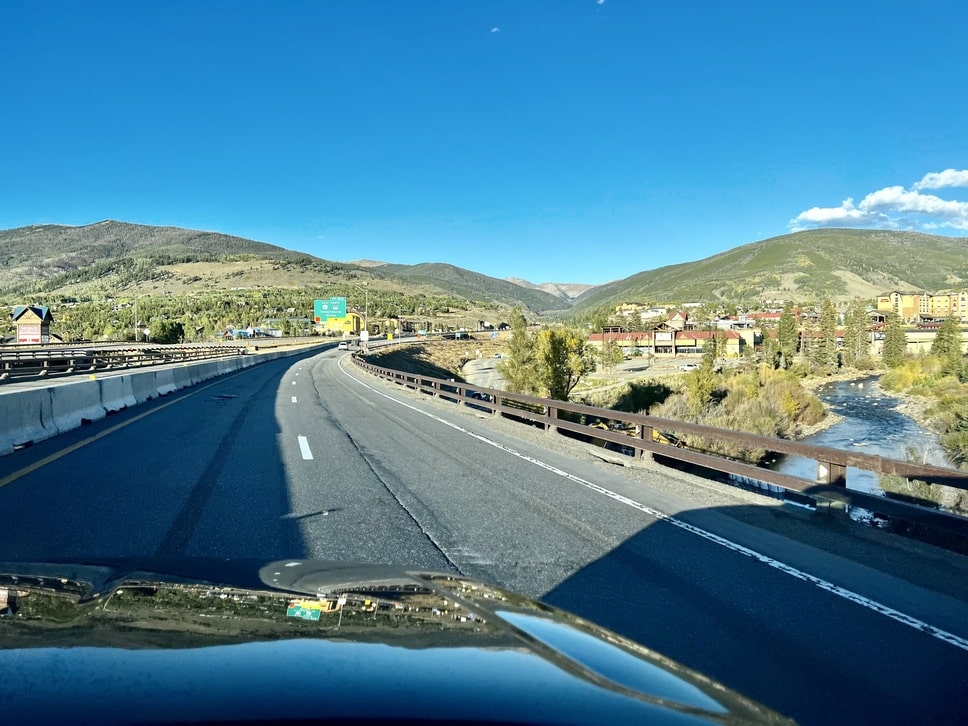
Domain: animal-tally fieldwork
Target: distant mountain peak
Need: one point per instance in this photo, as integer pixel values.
(565, 290)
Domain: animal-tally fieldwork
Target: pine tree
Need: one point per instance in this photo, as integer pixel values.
(787, 335)
(947, 346)
(855, 334)
(895, 342)
(824, 354)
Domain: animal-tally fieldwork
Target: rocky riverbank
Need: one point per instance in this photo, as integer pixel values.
(915, 408)
(831, 419)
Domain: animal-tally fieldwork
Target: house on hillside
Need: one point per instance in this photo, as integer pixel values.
(33, 324)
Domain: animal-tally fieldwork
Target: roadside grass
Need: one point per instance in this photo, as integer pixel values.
(437, 358)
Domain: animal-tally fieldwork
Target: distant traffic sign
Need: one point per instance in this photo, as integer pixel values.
(335, 307)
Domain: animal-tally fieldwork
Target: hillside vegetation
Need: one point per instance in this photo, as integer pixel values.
(48, 263)
(472, 285)
(839, 264)
(98, 261)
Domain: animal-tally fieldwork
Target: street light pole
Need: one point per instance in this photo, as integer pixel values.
(366, 308)
(365, 333)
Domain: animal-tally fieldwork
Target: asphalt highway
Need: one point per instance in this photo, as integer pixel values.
(309, 457)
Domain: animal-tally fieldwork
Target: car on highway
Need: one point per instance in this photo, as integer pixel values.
(161, 641)
(689, 367)
(343, 345)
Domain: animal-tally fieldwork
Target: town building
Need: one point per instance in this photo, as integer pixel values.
(915, 307)
(33, 324)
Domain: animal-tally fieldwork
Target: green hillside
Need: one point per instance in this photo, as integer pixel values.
(100, 260)
(472, 285)
(106, 259)
(803, 266)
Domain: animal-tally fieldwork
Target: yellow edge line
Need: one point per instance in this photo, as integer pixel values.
(74, 447)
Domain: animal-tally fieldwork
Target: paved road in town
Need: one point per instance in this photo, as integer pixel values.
(308, 457)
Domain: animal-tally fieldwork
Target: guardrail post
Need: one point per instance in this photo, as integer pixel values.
(552, 413)
(645, 434)
(835, 474)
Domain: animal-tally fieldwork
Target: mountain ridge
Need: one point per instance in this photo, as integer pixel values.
(803, 266)
(81, 259)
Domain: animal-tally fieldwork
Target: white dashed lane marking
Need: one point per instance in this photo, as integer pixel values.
(307, 454)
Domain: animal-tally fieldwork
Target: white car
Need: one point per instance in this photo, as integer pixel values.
(343, 345)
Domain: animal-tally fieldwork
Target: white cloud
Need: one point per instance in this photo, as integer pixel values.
(599, 2)
(495, 29)
(844, 215)
(941, 179)
(895, 199)
(895, 207)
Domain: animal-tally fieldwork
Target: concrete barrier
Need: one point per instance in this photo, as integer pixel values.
(182, 378)
(165, 381)
(25, 417)
(213, 370)
(35, 414)
(144, 386)
(73, 403)
(117, 393)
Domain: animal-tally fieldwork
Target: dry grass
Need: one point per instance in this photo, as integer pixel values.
(439, 358)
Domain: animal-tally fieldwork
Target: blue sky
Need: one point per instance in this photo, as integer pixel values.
(553, 140)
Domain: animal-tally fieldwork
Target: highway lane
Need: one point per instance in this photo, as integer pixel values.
(309, 458)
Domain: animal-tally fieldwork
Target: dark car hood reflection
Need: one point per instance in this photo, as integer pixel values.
(213, 640)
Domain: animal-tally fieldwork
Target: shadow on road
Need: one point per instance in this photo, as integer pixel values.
(196, 473)
(785, 642)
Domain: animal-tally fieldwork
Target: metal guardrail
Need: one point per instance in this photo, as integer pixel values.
(26, 364)
(661, 438)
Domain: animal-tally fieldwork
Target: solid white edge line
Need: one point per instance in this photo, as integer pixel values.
(307, 454)
(853, 597)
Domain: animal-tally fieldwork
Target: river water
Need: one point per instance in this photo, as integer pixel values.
(871, 425)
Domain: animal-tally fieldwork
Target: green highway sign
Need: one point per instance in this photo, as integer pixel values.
(335, 307)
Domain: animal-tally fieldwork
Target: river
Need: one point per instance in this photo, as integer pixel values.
(872, 425)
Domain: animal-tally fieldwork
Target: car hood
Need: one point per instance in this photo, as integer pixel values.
(214, 640)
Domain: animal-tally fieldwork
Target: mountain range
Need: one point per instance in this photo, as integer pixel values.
(113, 257)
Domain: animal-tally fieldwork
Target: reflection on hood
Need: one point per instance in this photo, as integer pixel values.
(212, 640)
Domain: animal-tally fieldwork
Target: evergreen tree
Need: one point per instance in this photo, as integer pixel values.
(809, 333)
(824, 353)
(895, 342)
(787, 335)
(947, 346)
(633, 322)
(701, 384)
(518, 368)
(599, 319)
(856, 344)
(710, 351)
(167, 332)
(771, 351)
